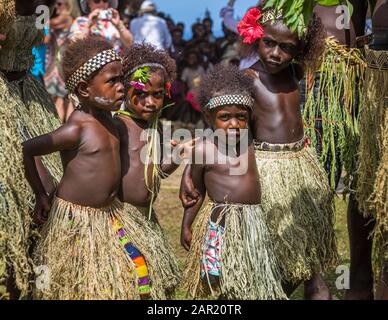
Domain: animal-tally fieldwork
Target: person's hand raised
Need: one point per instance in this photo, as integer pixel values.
(115, 17)
(93, 17)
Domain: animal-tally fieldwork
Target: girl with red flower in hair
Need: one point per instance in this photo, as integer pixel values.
(296, 198)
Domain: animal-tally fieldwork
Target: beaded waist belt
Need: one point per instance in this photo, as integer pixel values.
(278, 147)
(376, 59)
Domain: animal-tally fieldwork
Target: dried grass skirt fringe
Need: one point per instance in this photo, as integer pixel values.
(25, 112)
(298, 206)
(249, 269)
(81, 249)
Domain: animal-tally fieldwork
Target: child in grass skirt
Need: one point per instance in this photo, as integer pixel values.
(89, 245)
(230, 251)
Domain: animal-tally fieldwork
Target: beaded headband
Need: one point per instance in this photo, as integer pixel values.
(233, 99)
(90, 66)
(150, 65)
(270, 16)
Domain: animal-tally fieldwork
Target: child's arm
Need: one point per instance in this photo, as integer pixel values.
(191, 213)
(180, 151)
(187, 193)
(66, 137)
(124, 156)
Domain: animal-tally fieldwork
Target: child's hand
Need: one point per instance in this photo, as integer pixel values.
(183, 150)
(186, 236)
(188, 194)
(42, 209)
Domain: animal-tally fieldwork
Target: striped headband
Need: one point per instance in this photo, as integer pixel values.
(90, 66)
(233, 99)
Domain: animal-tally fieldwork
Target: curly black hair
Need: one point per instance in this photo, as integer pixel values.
(79, 51)
(139, 54)
(224, 80)
(312, 44)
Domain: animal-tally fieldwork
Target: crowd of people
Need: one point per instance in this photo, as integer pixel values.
(293, 101)
(127, 22)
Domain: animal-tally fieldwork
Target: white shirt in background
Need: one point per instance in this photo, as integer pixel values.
(151, 29)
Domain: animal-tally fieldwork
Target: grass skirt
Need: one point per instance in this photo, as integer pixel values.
(7, 15)
(335, 104)
(25, 112)
(372, 193)
(149, 238)
(379, 201)
(81, 249)
(248, 265)
(299, 210)
(372, 187)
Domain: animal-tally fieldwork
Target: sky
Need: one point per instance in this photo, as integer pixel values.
(188, 11)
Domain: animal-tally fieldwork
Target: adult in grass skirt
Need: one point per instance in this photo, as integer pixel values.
(26, 111)
(337, 98)
(341, 102)
(333, 94)
(296, 197)
(372, 182)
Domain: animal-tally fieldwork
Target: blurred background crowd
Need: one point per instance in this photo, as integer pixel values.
(124, 22)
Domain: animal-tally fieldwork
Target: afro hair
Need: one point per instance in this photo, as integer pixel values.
(139, 54)
(79, 51)
(224, 80)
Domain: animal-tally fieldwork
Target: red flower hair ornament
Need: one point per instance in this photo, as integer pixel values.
(249, 27)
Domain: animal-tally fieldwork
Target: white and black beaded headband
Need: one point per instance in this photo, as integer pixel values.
(233, 99)
(90, 66)
(151, 65)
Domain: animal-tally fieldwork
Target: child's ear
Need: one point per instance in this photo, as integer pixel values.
(82, 88)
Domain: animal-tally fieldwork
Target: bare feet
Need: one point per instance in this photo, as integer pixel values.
(316, 289)
(361, 283)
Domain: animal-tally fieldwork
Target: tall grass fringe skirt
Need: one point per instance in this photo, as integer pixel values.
(87, 257)
(331, 110)
(298, 207)
(248, 268)
(26, 111)
(372, 187)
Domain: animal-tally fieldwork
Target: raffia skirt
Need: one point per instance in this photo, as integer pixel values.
(372, 183)
(332, 107)
(298, 207)
(26, 111)
(247, 265)
(87, 254)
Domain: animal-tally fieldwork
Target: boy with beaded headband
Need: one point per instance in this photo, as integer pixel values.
(86, 241)
(296, 199)
(230, 252)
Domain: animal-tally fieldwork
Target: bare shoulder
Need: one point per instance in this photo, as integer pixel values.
(120, 124)
(74, 125)
(250, 73)
(125, 124)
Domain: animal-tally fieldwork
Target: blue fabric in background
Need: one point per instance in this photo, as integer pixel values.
(39, 68)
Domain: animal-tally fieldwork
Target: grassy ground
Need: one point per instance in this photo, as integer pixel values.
(170, 212)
